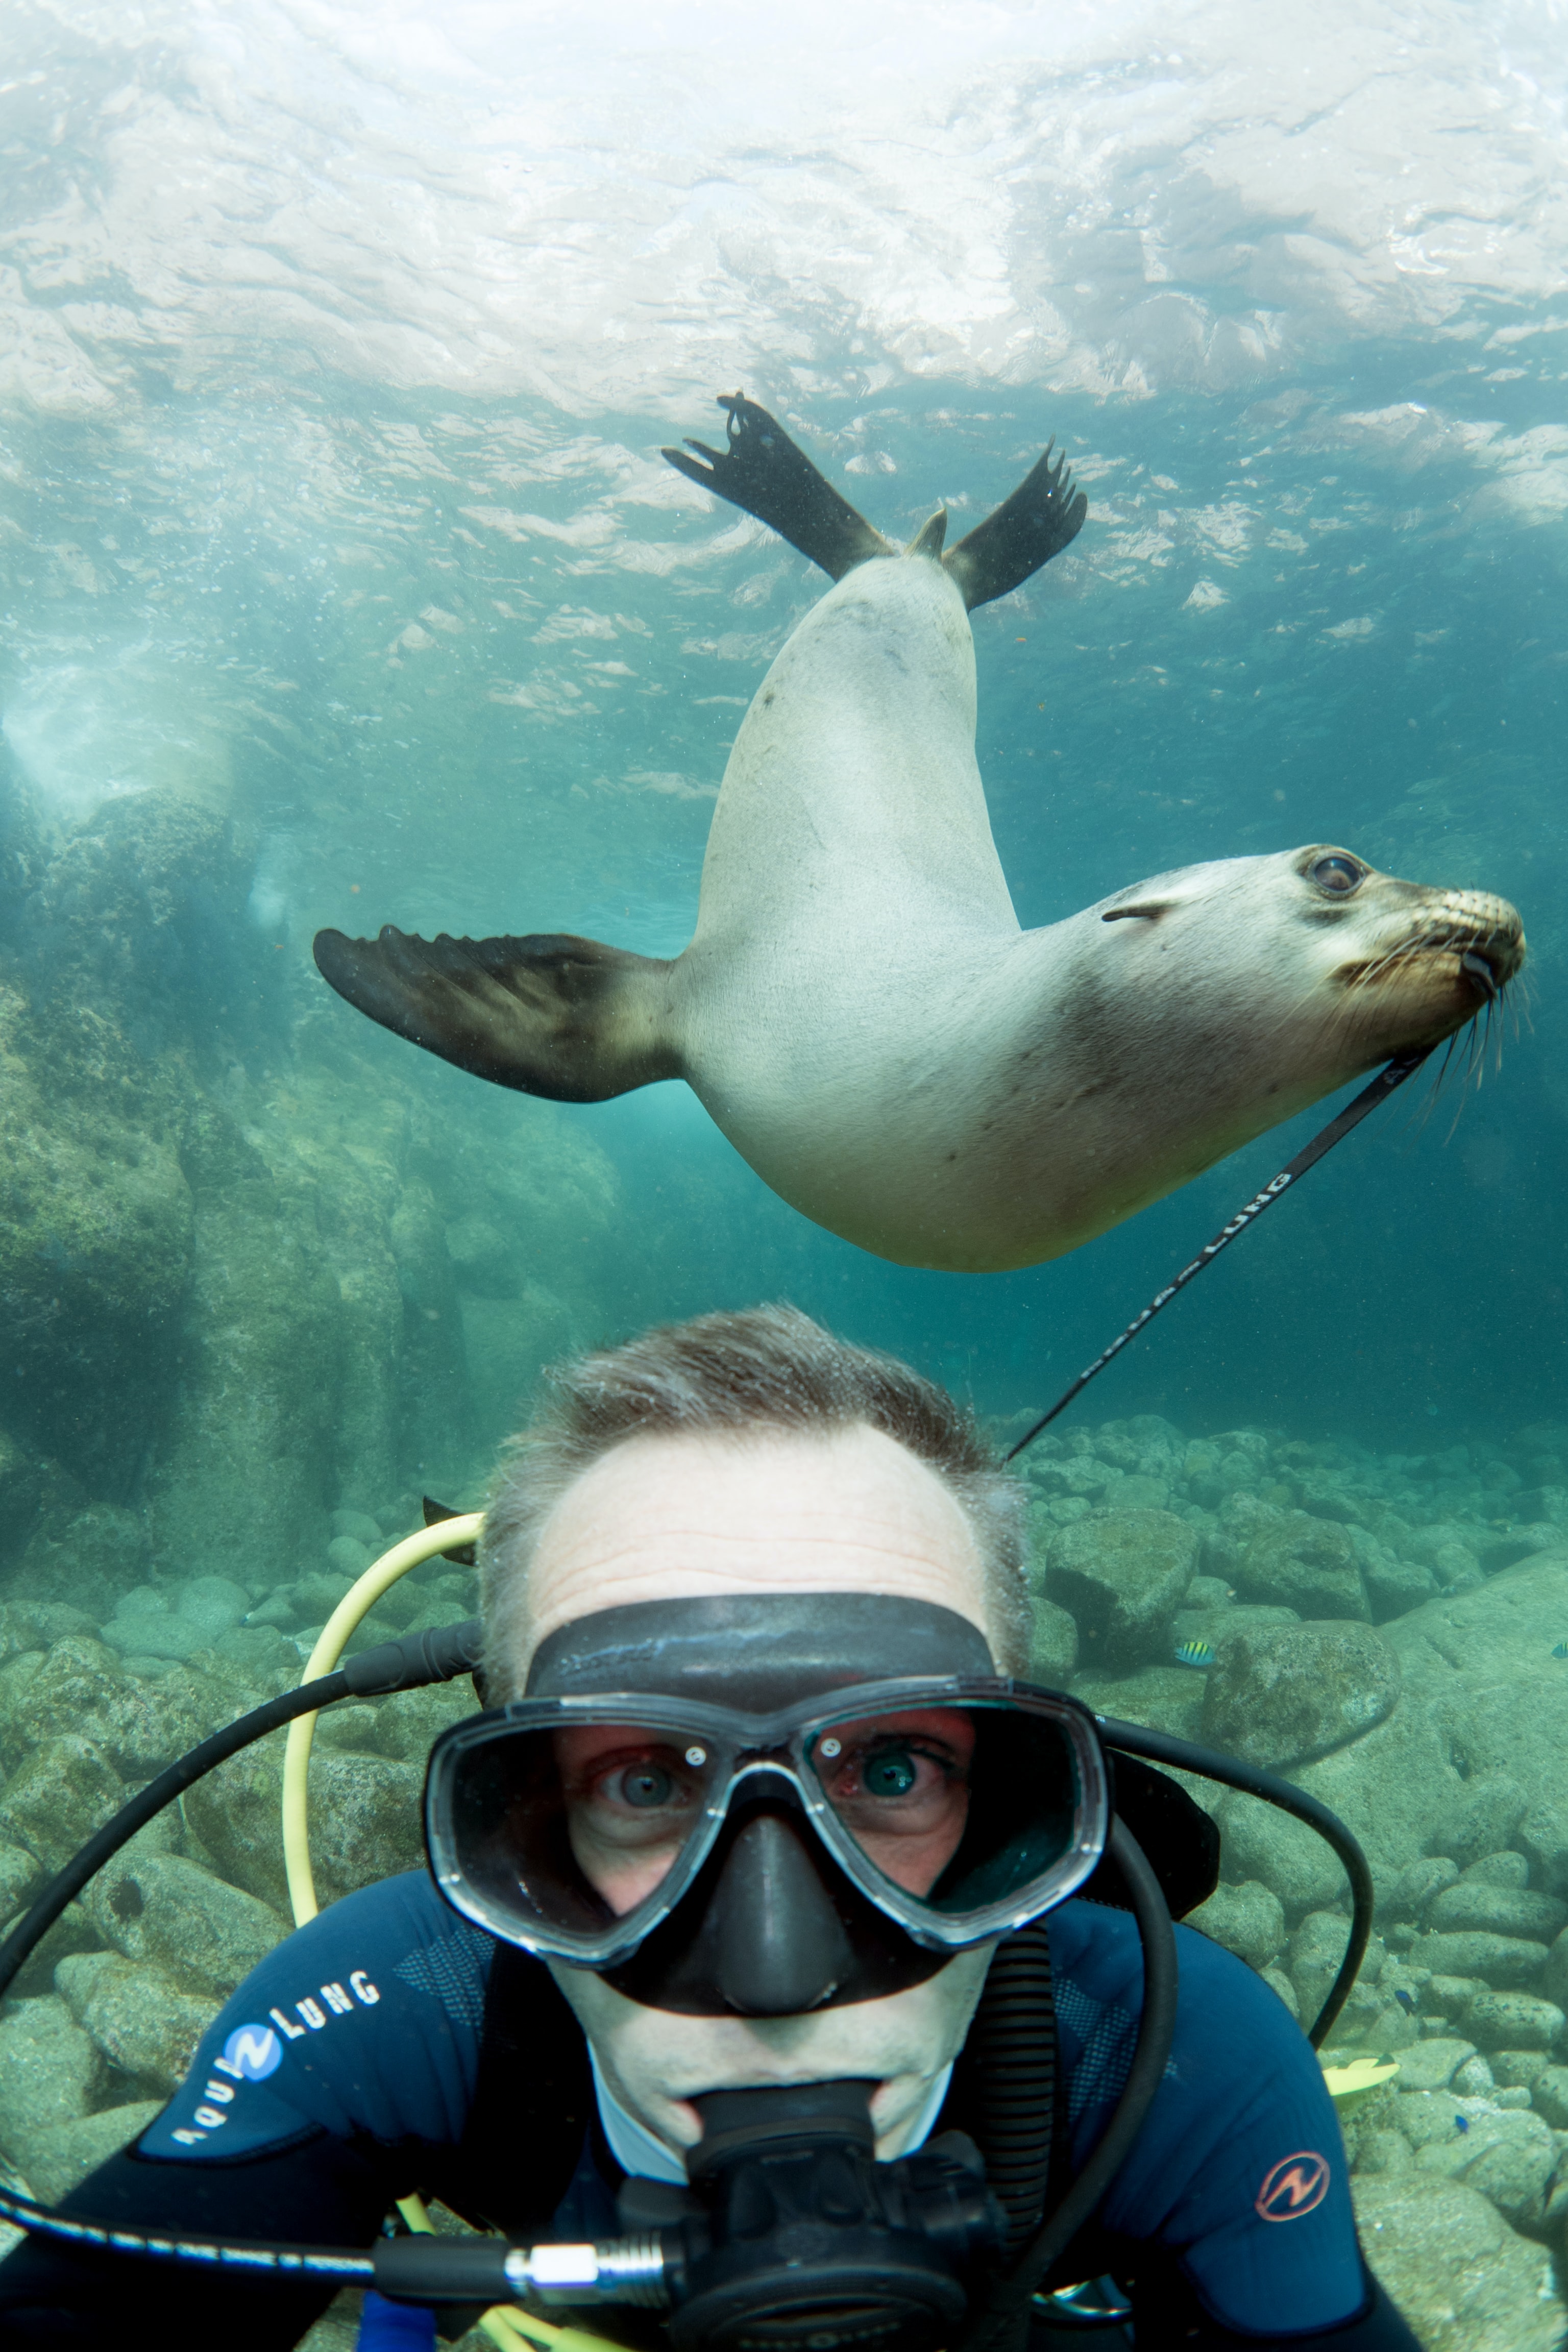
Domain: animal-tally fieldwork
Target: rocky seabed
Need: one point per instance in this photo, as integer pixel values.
(1381, 1630)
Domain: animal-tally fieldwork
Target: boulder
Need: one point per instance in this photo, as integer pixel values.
(1122, 1577)
(1509, 2153)
(55, 2162)
(82, 1686)
(1410, 1888)
(1288, 1694)
(21, 1876)
(1258, 1841)
(1053, 1642)
(139, 2017)
(165, 1912)
(1505, 1868)
(1248, 1920)
(1549, 2095)
(50, 2069)
(365, 1817)
(1505, 1910)
(1306, 1564)
(1554, 1976)
(58, 1796)
(1431, 2065)
(1462, 2278)
(1514, 2021)
(1395, 1586)
(1473, 1952)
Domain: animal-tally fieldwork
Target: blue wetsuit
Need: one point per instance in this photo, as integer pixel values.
(389, 2046)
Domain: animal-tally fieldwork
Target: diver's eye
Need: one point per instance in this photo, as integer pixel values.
(1337, 874)
(890, 1772)
(644, 1784)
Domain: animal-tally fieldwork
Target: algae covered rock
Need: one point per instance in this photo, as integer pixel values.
(1462, 2278)
(1514, 2021)
(1248, 1920)
(51, 2072)
(56, 2161)
(1053, 1642)
(1474, 1952)
(1121, 1577)
(1309, 1565)
(1285, 1695)
(1505, 1910)
(58, 1797)
(163, 1911)
(364, 1813)
(139, 2019)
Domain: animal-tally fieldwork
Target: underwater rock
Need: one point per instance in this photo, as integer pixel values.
(140, 1726)
(139, 2018)
(37, 1624)
(349, 1558)
(102, 1550)
(361, 1527)
(1505, 1868)
(60, 1793)
(21, 1876)
(96, 1234)
(1308, 1565)
(1053, 1640)
(1508, 2154)
(1462, 2278)
(1258, 1842)
(1405, 1895)
(1472, 1952)
(1393, 1586)
(365, 1820)
(165, 1911)
(1122, 1578)
(1477, 1902)
(1431, 2064)
(261, 1346)
(1286, 1694)
(1514, 2021)
(1549, 2095)
(51, 2072)
(1248, 1920)
(56, 2161)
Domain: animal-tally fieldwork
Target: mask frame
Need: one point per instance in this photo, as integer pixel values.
(766, 1758)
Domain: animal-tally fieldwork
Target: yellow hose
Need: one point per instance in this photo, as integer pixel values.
(356, 1602)
(509, 2330)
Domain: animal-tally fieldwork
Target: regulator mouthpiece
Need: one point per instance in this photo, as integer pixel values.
(794, 2239)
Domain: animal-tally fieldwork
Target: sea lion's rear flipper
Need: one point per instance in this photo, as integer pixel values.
(549, 1015)
(1037, 522)
(762, 470)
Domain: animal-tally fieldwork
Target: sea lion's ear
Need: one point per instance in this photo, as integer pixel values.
(548, 1014)
(1037, 522)
(762, 471)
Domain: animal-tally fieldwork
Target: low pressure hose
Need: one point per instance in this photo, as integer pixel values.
(355, 1605)
(1164, 1747)
(1009, 2301)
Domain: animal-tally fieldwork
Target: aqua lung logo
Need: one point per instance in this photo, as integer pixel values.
(251, 2052)
(254, 2051)
(1297, 2185)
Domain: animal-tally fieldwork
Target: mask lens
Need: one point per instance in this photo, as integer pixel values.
(572, 1827)
(958, 1807)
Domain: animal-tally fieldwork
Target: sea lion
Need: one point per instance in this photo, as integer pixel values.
(859, 1009)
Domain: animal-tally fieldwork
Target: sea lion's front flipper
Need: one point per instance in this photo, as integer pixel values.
(762, 471)
(1037, 522)
(549, 1015)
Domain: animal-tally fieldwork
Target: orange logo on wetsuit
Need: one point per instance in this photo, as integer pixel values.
(1297, 2184)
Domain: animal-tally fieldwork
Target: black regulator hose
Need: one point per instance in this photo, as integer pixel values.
(1010, 2300)
(1164, 1747)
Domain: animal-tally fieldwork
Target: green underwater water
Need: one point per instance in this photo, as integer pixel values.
(343, 585)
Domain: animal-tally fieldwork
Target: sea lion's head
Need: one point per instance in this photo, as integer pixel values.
(1374, 965)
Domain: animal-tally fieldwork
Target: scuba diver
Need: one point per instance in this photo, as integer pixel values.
(768, 1922)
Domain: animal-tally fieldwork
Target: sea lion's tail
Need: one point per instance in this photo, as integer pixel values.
(762, 470)
(549, 1015)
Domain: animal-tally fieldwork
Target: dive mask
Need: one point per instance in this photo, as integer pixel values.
(814, 1837)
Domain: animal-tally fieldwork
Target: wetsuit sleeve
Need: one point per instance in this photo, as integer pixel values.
(343, 2067)
(1239, 2174)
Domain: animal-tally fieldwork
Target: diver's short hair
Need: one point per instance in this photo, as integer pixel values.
(760, 1368)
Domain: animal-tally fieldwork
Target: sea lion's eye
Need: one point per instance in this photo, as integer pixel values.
(1337, 874)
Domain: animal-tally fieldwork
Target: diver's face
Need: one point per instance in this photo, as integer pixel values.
(666, 1518)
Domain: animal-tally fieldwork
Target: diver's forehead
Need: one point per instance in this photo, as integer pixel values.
(702, 1516)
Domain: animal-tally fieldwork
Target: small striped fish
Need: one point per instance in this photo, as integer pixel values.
(1195, 1654)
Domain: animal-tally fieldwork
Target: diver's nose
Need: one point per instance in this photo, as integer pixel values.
(782, 1948)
